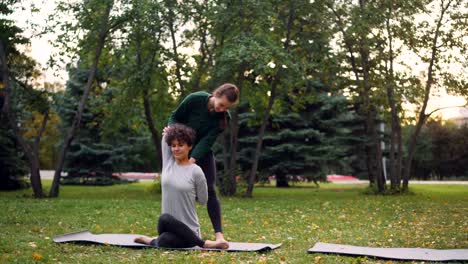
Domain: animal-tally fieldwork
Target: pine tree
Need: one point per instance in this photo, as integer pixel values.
(309, 143)
(91, 155)
(12, 163)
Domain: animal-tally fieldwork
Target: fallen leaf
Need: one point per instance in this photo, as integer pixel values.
(37, 256)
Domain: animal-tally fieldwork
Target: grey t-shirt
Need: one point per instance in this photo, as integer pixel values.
(181, 187)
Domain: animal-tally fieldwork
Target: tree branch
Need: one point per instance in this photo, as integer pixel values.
(37, 139)
(347, 42)
(447, 107)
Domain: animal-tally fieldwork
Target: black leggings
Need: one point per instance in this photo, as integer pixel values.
(208, 166)
(175, 234)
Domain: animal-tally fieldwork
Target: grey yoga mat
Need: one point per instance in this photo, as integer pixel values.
(126, 240)
(423, 254)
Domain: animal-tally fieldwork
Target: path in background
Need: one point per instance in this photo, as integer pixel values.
(411, 182)
(49, 175)
(141, 176)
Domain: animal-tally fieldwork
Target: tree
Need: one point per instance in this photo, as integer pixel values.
(241, 50)
(440, 152)
(142, 72)
(18, 71)
(12, 163)
(50, 136)
(355, 24)
(99, 10)
(397, 13)
(267, 48)
(310, 143)
(282, 79)
(433, 42)
(92, 152)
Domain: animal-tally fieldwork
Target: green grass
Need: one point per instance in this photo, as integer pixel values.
(434, 216)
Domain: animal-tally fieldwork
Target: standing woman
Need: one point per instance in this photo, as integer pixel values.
(208, 115)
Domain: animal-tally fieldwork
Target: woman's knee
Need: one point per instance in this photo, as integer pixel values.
(164, 219)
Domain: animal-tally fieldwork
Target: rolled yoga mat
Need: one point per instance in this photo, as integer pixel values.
(423, 254)
(126, 240)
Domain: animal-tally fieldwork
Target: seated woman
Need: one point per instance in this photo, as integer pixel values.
(182, 184)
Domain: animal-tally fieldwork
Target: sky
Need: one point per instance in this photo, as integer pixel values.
(41, 49)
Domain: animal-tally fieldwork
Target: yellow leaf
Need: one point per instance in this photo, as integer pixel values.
(37, 256)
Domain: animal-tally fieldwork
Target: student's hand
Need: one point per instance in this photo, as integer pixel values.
(192, 160)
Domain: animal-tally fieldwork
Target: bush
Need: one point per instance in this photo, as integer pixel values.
(155, 187)
(98, 181)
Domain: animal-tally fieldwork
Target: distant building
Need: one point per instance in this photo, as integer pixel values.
(459, 121)
(462, 119)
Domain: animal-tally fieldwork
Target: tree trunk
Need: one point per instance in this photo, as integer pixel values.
(154, 133)
(369, 161)
(31, 153)
(145, 83)
(395, 134)
(261, 133)
(271, 101)
(234, 142)
(371, 113)
(399, 158)
(54, 191)
(203, 64)
(281, 181)
(221, 181)
(422, 114)
(376, 159)
(348, 40)
(172, 30)
(232, 184)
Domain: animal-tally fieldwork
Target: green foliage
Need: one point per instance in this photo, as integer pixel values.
(268, 48)
(19, 97)
(155, 187)
(311, 144)
(441, 151)
(93, 179)
(94, 151)
(13, 166)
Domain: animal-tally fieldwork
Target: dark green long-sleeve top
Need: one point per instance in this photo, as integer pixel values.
(193, 112)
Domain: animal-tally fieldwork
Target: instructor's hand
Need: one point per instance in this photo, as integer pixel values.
(165, 130)
(192, 160)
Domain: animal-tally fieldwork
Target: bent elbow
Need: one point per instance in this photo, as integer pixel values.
(203, 200)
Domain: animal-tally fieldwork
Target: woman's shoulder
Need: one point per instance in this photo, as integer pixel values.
(198, 95)
(197, 171)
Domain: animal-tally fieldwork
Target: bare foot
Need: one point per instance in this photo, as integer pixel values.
(220, 239)
(143, 240)
(223, 242)
(216, 244)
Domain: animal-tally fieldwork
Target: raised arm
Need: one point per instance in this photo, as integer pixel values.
(166, 153)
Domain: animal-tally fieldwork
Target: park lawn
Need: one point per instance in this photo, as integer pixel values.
(435, 216)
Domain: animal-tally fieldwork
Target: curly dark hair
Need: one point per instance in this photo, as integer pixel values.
(180, 132)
